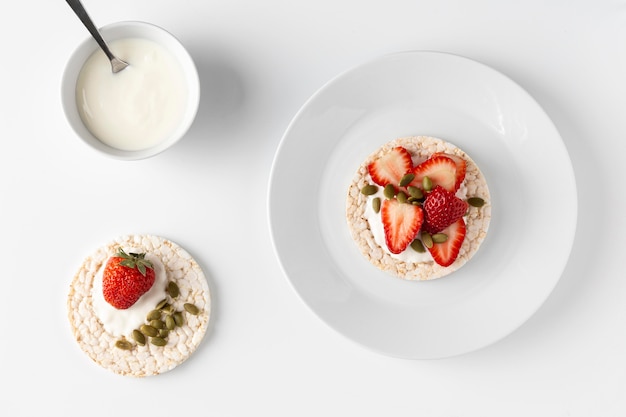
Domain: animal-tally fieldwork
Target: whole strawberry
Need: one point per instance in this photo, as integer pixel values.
(441, 209)
(126, 277)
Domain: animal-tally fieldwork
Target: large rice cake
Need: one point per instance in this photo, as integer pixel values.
(477, 220)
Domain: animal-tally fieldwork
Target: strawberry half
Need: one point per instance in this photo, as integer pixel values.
(126, 277)
(440, 169)
(446, 253)
(401, 222)
(442, 208)
(461, 168)
(391, 167)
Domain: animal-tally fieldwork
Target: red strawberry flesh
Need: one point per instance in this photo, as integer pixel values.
(446, 253)
(461, 168)
(440, 169)
(391, 167)
(401, 222)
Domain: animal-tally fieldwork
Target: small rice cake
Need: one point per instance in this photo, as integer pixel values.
(147, 360)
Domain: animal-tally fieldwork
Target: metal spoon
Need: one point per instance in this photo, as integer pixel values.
(116, 64)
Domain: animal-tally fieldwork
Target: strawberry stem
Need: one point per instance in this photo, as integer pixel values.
(134, 260)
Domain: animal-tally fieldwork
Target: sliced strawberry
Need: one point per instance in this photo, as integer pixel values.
(391, 167)
(401, 222)
(440, 169)
(441, 209)
(446, 253)
(461, 167)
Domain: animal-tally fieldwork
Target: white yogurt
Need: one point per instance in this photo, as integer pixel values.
(123, 322)
(138, 107)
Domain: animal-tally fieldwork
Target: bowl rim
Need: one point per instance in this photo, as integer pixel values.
(121, 30)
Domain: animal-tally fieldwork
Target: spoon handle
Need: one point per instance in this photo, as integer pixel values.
(84, 17)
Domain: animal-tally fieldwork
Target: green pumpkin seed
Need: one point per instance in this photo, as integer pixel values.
(376, 204)
(191, 309)
(389, 191)
(440, 237)
(172, 289)
(427, 183)
(406, 179)
(164, 333)
(401, 197)
(369, 189)
(427, 240)
(157, 324)
(148, 330)
(418, 246)
(139, 337)
(476, 202)
(153, 315)
(158, 341)
(170, 323)
(415, 192)
(178, 318)
(161, 304)
(123, 344)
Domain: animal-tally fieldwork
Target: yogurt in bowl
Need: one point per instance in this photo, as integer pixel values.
(140, 111)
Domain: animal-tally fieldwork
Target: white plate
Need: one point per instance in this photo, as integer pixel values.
(507, 134)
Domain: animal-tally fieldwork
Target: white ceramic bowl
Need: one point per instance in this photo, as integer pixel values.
(111, 33)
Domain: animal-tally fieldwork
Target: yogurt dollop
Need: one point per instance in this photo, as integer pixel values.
(138, 107)
(123, 322)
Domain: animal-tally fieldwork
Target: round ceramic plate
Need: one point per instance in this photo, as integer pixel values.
(506, 133)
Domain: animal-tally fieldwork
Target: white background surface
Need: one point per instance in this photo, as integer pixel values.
(265, 352)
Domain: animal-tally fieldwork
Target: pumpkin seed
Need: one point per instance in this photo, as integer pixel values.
(401, 197)
(440, 237)
(170, 323)
(415, 192)
(376, 204)
(389, 191)
(406, 179)
(418, 246)
(158, 341)
(191, 309)
(476, 202)
(172, 289)
(161, 304)
(139, 337)
(148, 330)
(164, 333)
(123, 344)
(427, 240)
(427, 183)
(178, 318)
(369, 189)
(157, 324)
(153, 315)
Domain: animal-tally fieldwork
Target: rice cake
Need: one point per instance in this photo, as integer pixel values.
(140, 361)
(477, 220)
